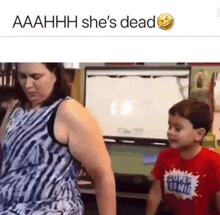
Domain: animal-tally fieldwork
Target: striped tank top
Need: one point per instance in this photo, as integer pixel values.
(38, 174)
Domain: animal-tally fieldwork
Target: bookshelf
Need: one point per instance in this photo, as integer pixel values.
(7, 86)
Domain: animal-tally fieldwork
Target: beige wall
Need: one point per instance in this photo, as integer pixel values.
(78, 85)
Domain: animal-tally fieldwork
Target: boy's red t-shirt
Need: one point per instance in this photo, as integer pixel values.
(188, 185)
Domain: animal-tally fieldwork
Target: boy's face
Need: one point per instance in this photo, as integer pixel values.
(181, 134)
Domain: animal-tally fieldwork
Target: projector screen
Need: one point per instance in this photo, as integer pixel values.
(134, 102)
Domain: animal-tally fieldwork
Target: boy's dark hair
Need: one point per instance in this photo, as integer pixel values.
(197, 112)
(61, 88)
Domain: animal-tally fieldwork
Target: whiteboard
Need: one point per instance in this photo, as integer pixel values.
(134, 103)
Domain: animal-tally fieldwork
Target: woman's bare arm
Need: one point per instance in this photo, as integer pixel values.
(84, 137)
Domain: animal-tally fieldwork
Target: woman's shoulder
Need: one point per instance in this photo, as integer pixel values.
(71, 110)
(70, 103)
(74, 119)
(71, 106)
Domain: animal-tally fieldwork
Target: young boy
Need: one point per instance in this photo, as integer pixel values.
(186, 176)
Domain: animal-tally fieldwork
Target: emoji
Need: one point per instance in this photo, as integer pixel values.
(165, 21)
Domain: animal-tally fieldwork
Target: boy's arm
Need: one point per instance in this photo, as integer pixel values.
(154, 199)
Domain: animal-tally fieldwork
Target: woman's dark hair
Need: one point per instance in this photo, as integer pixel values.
(197, 112)
(62, 87)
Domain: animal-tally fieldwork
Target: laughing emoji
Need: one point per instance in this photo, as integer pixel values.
(165, 21)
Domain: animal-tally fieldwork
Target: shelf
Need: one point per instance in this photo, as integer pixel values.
(136, 141)
(127, 185)
(7, 93)
(6, 88)
(129, 195)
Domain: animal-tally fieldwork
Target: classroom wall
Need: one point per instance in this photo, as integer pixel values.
(78, 85)
(203, 92)
(128, 159)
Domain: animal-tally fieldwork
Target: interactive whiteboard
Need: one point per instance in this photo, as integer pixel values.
(134, 102)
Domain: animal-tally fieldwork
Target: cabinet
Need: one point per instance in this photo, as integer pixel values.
(124, 205)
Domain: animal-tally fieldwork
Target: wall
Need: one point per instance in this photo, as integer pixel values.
(128, 159)
(203, 93)
(78, 85)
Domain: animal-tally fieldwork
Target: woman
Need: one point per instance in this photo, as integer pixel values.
(47, 135)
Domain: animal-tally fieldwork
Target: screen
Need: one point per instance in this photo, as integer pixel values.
(135, 103)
